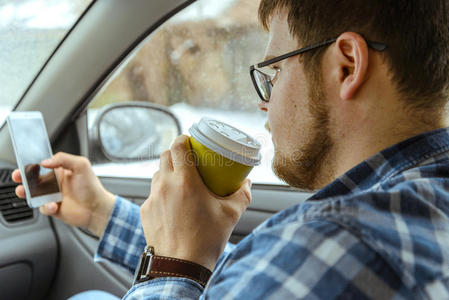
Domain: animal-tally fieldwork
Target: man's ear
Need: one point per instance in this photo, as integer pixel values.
(352, 61)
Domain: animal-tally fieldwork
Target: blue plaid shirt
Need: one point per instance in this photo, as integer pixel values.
(379, 231)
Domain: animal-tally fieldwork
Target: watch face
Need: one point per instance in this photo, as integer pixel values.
(143, 268)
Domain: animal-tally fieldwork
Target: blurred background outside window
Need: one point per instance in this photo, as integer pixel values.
(196, 64)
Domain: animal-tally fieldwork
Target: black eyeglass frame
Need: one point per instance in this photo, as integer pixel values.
(374, 45)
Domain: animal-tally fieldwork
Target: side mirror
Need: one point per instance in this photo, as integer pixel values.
(133, 131)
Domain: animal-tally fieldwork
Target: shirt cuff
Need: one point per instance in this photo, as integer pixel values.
(123, 240)
(165, 288)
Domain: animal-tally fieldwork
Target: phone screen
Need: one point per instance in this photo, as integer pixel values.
(32, 146)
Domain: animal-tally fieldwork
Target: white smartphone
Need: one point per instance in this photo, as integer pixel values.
(31, 145)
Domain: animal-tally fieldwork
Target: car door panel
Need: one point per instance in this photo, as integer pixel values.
(77, 271)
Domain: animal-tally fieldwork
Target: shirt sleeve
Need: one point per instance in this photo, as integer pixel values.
(123, 240)
(317, 260)
(314, 260)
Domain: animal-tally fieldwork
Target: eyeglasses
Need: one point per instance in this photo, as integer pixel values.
(263, 82)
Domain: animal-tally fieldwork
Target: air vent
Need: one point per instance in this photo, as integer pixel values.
(5, 176)
(12, 208)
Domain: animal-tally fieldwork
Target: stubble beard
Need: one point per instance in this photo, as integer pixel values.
(309, 167)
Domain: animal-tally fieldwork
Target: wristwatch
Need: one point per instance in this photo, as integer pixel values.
(152, 266)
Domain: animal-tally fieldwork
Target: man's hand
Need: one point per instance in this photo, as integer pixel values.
(85, 202)
(181, 218)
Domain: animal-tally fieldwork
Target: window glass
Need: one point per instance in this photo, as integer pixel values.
(196, 65)
(29, 32)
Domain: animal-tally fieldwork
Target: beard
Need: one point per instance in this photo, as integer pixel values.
(309, 167)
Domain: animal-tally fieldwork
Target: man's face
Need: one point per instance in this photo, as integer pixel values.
(297, 115)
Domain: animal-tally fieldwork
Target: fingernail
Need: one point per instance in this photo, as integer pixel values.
(46, 161)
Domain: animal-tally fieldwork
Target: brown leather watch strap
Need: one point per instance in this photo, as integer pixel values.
(153, 266)
(162, 266)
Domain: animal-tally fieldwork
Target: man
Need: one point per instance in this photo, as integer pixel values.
(358, 113)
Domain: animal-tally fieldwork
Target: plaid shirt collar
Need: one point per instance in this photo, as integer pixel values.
(387, 163)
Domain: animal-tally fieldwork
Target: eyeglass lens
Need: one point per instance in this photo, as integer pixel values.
(263, 84)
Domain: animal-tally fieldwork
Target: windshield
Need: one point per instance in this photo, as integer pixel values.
(30, 30)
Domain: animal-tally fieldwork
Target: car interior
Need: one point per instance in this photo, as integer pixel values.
(43, 258)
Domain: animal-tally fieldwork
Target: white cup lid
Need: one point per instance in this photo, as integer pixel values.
(227, 140)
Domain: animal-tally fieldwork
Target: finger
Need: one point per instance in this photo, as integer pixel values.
(49, 209)
(165, 162)
(242, 196)
(182, 155)
(61, 173)
(20, 192)
(155, 177)
(16, 177)
(66, 161)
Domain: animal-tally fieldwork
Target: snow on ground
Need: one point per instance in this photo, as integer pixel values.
(251, 122)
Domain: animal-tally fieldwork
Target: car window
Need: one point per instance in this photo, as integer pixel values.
(197, 65)
(30, 30)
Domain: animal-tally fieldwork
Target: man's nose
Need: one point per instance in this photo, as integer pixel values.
(263, 106)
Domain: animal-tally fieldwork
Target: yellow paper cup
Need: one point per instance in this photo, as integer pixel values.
(224, 155)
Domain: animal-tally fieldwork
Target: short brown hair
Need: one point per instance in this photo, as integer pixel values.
(416, 33)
